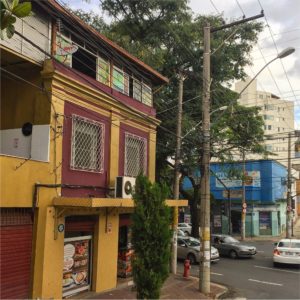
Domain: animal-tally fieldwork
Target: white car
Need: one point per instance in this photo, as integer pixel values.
(185, 227)
(287, 251)
(180, 232)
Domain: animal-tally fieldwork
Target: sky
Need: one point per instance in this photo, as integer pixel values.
(281, 30)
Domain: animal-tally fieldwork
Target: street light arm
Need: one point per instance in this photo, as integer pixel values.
(245, 87)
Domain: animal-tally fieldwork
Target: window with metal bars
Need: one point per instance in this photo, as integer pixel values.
(87, 152)
(135, 155)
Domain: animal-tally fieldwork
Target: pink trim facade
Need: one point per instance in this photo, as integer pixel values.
(80, 177)
(123, 129)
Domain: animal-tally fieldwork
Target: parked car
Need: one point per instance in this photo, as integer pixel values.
(229, 246)
(287, 251)
(180, 232)
(185, 227)
(189, 248)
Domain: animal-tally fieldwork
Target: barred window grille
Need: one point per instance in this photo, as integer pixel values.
(135, 155)
(87, 145)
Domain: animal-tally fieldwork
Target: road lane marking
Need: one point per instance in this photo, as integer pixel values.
(218, 274)
(258, 251)
(277, 269)
(265, 282)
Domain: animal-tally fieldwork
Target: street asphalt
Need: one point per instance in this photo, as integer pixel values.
(254, 278)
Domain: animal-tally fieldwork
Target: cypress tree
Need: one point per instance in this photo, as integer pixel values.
(150, 238)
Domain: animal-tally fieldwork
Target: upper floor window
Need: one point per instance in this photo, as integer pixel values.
(120, 80)
(135, 155)
(103, 71)
(269, 147)
(268, 117)
(87, 153)
(269, 107)
(142, 92)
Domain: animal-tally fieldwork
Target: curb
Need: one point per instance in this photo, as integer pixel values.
(221, 293)
(217, 296)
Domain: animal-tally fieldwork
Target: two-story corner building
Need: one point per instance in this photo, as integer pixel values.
(76, 112)
(265, 187)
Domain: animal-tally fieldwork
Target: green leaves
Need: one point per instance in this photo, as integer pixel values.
(22, 10)
(10, 10)
(150, 238)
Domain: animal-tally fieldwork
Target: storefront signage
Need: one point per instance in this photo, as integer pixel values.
(76, 268)
(234, 194)
(252, 179)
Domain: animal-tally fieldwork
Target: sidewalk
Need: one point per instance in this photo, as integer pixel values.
(175, 287)
(296, 229)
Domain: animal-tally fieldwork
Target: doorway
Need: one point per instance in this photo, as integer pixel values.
(236, 221)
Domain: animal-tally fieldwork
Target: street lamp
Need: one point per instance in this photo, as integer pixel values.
(282, 54)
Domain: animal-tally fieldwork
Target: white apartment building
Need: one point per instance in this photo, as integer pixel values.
(278, 115)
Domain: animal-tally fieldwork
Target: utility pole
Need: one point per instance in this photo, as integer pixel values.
(204, 266)
(289, 187)
(244, 205)
(176, 171)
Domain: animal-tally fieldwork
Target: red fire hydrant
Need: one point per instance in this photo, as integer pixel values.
(187, 267)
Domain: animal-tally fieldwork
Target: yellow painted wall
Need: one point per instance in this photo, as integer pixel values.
(49, 257)
(114, 149)
(106, 252)
(21, 103)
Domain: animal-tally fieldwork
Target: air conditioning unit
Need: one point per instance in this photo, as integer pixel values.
(124, 186)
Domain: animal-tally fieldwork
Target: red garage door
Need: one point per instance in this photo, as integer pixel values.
(15, 253)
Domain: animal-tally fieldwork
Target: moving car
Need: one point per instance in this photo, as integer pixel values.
(189, 248)
(287, 251)
(185, 227)
(229, 246)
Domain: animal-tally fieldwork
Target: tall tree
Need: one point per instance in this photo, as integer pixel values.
(150, 238)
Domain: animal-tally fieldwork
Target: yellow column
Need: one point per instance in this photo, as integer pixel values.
(48, 257)
(152, 155)
(114, 148)
(106, 251)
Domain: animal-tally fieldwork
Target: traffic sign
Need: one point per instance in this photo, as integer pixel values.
(244, 205)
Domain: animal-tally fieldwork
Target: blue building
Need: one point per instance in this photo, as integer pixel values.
(265, 197)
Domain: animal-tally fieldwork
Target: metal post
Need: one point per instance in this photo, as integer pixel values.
(176, 173)
(289, 199)
(243, 215)
(229, 212)
(204, 266)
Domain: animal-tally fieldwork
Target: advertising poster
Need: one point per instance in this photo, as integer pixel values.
(64, 50)
(252, 179)
(76, 265)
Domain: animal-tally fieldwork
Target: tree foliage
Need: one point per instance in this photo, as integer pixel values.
(150, 238)
(10, 11)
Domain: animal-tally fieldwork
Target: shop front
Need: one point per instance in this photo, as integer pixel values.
(78, 245)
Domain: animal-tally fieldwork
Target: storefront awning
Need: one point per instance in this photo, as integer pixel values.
(106, 202)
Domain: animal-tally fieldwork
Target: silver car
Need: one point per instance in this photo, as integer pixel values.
(185, 227)
(229, 246)
(189, 248)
